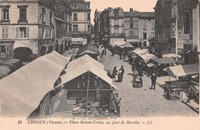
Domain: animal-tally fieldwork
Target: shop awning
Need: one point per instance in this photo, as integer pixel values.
(126, 45)
(22, 91)
(77, 39)
(132, 40)
(75, 70)
(162, 61)
(84, 59)
(183, 70)
(140, 51)
(147, 56)
(119, 43)
(87, 49)
(27, 44)
(171, 55)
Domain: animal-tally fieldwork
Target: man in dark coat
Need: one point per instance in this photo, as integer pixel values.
(153, 81)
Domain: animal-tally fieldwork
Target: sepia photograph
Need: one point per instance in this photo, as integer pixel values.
(87, 61)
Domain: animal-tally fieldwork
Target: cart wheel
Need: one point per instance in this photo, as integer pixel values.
(179, 94)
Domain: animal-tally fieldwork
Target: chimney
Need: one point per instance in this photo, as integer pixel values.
(131, 9)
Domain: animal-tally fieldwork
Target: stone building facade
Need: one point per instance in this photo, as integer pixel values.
(63, 22)
(81, 22)
(26, 27)
(163, 27)
(117, 25)
(131, 26)
(177, 26)
(146, 27)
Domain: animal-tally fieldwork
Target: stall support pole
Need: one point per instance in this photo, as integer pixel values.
(88, 84)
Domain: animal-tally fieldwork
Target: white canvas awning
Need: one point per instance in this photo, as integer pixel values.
(77, 39)
(73, 71)
(183, 70)
(132, 40)
(22, 91)
(119, 43)
(84, 59)
(171, 55)
(140, 51)
(147, 56)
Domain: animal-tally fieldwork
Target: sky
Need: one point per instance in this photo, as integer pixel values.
(140, 5)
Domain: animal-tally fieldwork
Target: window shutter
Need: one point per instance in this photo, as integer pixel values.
(17, 32)
(27, 32)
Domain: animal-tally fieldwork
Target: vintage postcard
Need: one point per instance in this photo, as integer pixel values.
(95, 64)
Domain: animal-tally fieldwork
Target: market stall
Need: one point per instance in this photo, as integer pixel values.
(26, 90)
(183, 74)
(158, 64)
(88, 87)
(88, 49)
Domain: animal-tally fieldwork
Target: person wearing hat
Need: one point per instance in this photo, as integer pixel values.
(153, 81)
(117, 102)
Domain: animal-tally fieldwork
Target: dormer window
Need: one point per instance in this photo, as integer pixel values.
(75, 6)
(116, 12)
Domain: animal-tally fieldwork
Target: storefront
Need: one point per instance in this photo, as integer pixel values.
(6, 49)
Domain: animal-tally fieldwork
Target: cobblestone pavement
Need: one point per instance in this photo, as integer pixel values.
(137, 102)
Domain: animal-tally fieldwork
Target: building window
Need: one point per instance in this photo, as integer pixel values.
(75, 28)
(135, 25)
(186, 22)
(89, 28)
(3, 49)
(4, 32)
(131, 19)
(152, 35)
(88, 17)
(131, 33)
(51, 16)
(144, 35)
(116, 22)
(131, 25)
(5, 14)
(43, 15)
(22, 32)
(22, 13)
(153, 26)
(145, 25)
(116, 32)
(116, 13)
(75, 17)
(75, 6)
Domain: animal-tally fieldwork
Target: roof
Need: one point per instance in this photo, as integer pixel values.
(74, 71)
(140, 51)
(77, 1)
(171, 55)
(87, 49)
(131, 14)
(183, 70)
(122, 44)
(23, 90)
(83, 59)
(119, 43)
(163, 61)
(147, 14)
(147, 56)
